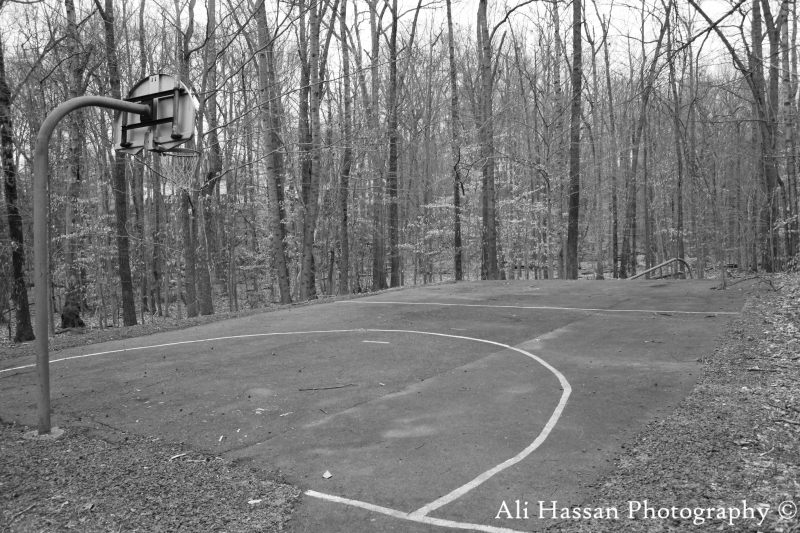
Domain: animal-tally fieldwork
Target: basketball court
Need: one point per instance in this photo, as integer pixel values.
(429, 408)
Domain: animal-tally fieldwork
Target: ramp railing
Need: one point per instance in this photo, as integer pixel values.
(662, 265)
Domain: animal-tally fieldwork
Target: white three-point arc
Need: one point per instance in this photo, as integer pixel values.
(421, 514)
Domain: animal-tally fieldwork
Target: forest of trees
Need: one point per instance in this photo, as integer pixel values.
(350, 146)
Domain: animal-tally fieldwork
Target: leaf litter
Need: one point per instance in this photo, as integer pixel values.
(123, 482)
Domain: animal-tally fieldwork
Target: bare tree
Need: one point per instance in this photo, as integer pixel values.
(489, 267)
(270, 148)
(347, 156)
(753, 73)
(24, 329)
(575, 142)
(307, 281)
(391, 175)
(455, 148)
(118, 171)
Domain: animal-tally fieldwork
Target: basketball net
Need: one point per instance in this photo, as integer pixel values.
(179, 168)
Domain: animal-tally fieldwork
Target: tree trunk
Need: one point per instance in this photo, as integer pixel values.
(391, 176)
(378, 251)
(269, 147)
(597, 137)
(555, 226)
(629, 233)
(769, 212)
(455, 149)
(189, 247)
(788, 127)
(75, 135)
(19, 289)
(489, 267)
(140, 244)
(272, 99)
(676, 125)
(208, 236)
(307, 275)
(615, 153)
(158, 249)
(120, 186)
(203, 257)
(791, 161)
(575, 143)
(647, 202)
(188, 205)
(347, 157)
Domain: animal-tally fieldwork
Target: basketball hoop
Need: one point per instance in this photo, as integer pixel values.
(157, 116)
(178, 166)
(169, 124)
(179, 152)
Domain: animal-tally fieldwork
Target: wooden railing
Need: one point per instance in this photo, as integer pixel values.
(662, 265)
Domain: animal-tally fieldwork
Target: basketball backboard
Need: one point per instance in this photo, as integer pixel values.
(168, 126)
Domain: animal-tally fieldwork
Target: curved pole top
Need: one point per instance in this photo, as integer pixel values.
(55, 116)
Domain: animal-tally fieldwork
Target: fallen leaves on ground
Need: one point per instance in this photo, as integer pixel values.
(84, 483)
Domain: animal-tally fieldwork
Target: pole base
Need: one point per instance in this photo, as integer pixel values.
(34, 435)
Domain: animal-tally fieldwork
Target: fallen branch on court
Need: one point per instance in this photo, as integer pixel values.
(329, 388)
(17, 515)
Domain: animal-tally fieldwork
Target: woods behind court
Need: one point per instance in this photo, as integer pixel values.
(354, 146)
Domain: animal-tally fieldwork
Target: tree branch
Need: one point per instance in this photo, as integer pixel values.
(508, 14)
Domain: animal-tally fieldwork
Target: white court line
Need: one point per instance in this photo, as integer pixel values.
(420, 514)
(377, 342)
(460, 491)
(135, 348)
(410, 516)
(551, 308)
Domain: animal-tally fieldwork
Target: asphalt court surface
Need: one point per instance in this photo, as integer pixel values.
(403, 418)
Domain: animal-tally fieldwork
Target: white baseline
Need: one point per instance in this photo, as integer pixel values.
(549, 307)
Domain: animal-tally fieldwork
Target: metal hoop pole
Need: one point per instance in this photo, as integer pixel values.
(41, 166)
